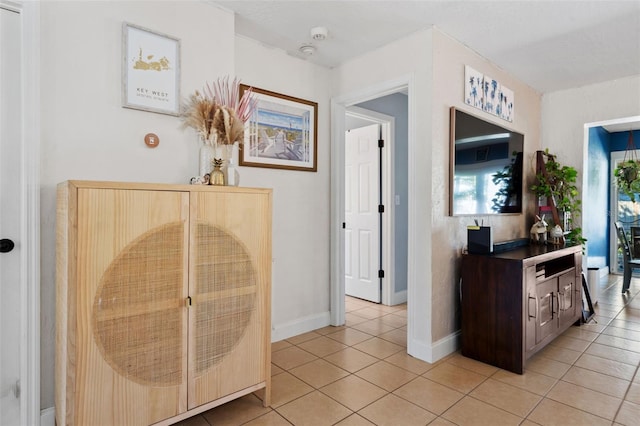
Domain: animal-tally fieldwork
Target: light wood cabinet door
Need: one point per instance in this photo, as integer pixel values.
(163, 300)
(229, 280)
(125, 338)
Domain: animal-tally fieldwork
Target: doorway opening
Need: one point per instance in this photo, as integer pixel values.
(401, 246)
(605, 143)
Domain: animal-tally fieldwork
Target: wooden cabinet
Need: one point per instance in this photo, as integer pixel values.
(516, 302)
(163, 300)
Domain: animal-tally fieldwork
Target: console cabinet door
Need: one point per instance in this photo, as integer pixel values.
(121, 306)
(567, 297)
(547, 309)
(163, 300)
(531, 314)
(229, 284)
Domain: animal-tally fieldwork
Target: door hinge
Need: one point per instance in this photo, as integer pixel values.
(188, 301)
(380, 143)
(344, 225)
(381, 273)
(381, 208)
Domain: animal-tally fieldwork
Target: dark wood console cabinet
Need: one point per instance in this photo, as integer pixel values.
(515, 302)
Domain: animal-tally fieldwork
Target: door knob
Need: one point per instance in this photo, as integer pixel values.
(6, 245)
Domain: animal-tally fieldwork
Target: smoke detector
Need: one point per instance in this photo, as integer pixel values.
(307, 49)
(319, 33)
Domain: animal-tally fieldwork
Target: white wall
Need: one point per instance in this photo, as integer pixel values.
(565, 112)
(86, 134)
(301, 200)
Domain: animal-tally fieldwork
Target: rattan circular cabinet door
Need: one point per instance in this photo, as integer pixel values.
(138, 311)
(225, 294)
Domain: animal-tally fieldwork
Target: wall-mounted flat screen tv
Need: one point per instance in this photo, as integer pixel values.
(485, 167)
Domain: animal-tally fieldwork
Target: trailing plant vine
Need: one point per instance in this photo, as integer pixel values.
(627, 172)
(627, 176)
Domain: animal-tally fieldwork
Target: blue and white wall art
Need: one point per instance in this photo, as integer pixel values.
(473, 87)
(486, 93)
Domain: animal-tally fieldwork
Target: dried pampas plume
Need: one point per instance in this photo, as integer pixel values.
(199, 112)
(228, 127)
(219, 113)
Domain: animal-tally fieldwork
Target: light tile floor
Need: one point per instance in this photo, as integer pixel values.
(360, 374)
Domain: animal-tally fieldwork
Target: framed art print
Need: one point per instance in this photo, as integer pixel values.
(281, 133)
(150, 70)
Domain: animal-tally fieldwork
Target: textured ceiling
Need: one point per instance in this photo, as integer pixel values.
(549, 45)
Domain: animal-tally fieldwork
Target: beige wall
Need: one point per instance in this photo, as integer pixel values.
(448, 233)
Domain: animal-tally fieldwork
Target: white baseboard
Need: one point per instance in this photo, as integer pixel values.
(399, 297)
(436, 351)
(48, 417)
(446, 345)
(300, 326)
(419, 350)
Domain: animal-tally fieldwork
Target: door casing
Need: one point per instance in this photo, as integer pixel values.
(30, 205)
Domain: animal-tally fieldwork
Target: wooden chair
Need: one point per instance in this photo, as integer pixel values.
(629, 262)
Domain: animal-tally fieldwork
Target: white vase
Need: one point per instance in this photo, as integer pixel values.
(229, 155)
(233, 175)
(207, 153)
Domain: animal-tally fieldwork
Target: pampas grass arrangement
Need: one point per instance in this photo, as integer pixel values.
(218, 114)
(198, 114)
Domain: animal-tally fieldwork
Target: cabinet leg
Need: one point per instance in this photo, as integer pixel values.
(265, 395)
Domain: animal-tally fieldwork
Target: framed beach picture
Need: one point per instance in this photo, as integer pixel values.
(282, 133)
(150, 70)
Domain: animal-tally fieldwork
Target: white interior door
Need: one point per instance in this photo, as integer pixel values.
(362, 220)
(11, 327)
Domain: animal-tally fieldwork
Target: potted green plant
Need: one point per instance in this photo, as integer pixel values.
(627, 177)
(559, 183)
